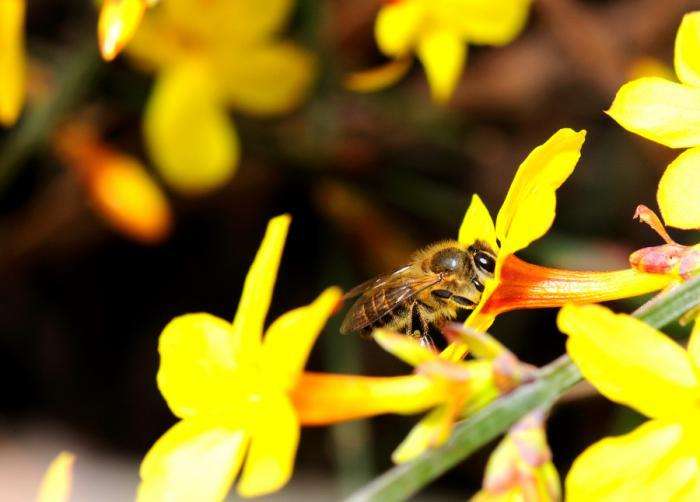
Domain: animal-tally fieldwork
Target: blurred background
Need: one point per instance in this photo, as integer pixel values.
(368, 178)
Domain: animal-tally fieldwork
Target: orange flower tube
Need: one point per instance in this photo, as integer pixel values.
(524, 285)
(325, 398)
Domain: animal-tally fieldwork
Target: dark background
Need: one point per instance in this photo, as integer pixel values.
(368, 180)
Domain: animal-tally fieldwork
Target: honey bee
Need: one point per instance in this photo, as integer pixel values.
(438, 281)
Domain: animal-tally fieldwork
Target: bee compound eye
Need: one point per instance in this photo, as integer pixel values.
(447, 260)
(485, 262)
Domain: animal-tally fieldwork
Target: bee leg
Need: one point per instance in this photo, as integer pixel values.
(424, 336)
(410, 325)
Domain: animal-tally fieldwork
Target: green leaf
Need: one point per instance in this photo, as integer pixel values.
(553, 380)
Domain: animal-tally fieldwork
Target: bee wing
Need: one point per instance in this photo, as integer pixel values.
(395, 291)
(376, 282)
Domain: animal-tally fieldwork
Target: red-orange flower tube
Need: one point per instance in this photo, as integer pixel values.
(523, 285)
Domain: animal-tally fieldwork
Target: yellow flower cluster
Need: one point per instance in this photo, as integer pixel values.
(626, 360)
(241, 392)
(242, 397)
(636, 365)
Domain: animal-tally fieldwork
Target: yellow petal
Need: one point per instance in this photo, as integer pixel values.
(659, 110)
(379, 77)
(636, 466)
(529, 208)
(432, 430)
(257, 290)
(477, 225)
(117, 24)
(269, 79)
(443, 54)
(188, 134)
(57, 482)
(156, 44)
(12, 60)
(485, 21)
(228, 22)
(397, 27)
(679, 191)
(290, 338)
(404, 347)
(687, 55)
(628, 361)
(194, 460)
(197, 364)
(689, 493)
(273, 447)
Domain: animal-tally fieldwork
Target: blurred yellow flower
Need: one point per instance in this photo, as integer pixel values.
(210, 55)
(57, 482)
(526, 215)
(231, 390)
(438, 31)
(521, 468)
(12, 60)
(669, 113)
(633, 364)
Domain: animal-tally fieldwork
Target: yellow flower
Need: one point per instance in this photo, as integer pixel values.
(633, 364)
(521, 468)
(526, 215)
(117, 24)
(669, 113)
(208, 56)
(231, 390)
(12, 60)
(438, 31)
(58, 479)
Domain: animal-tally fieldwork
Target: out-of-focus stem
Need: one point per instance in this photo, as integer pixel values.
(31, 133)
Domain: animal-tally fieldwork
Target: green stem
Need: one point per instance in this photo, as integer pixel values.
(41, 118)
(553, 380)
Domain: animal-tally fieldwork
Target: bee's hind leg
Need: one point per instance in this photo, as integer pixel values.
(422, 334)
